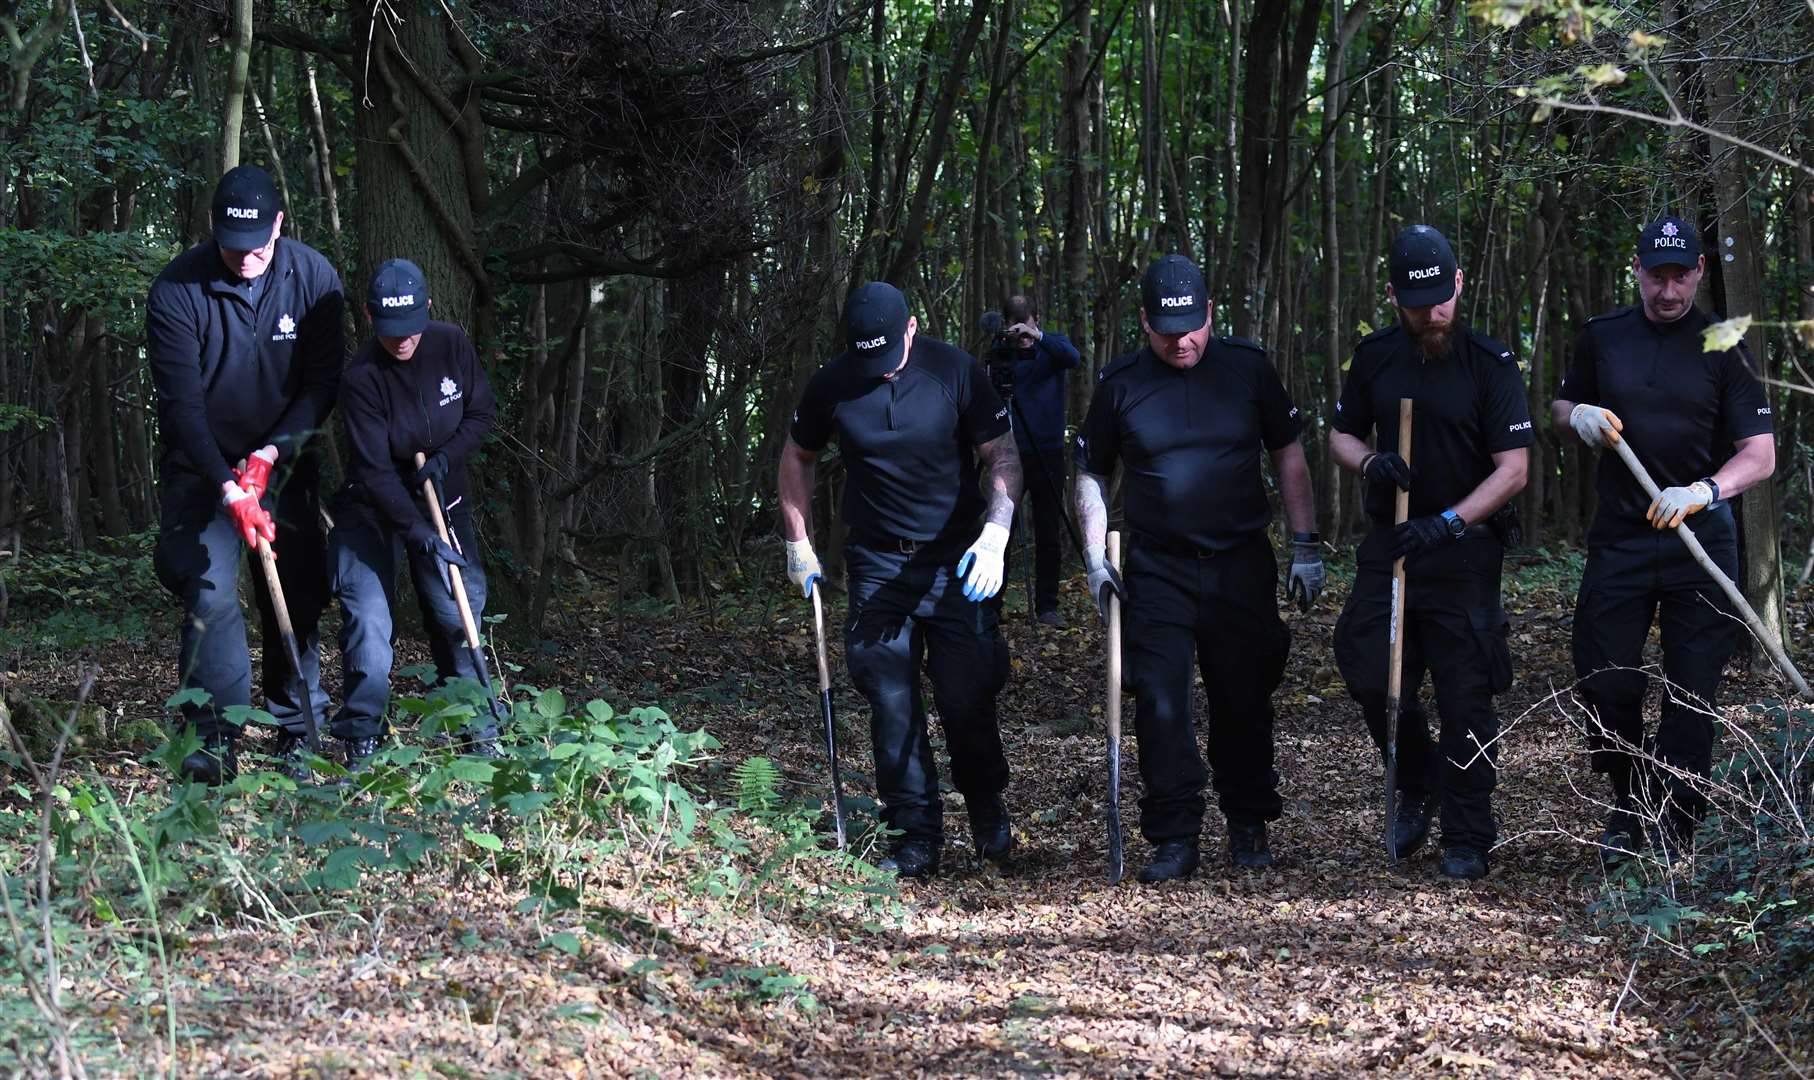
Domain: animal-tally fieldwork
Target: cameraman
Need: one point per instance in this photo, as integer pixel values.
(1027, 365)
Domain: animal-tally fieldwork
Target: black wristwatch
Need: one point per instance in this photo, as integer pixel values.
(1455, 524)
(1713, 487)
(1305, 538)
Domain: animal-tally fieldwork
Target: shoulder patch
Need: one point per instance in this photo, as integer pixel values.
(1118, 365)
(1242, 343)
(1493, 348)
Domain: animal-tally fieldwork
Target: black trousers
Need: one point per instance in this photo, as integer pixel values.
(1631, 581)
(909, 609)
(364, 550)
(1044, 472)
(198, 556)
(1455, 631)
(1221, 613)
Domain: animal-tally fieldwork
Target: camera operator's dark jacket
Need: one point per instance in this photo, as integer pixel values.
(1039, 390)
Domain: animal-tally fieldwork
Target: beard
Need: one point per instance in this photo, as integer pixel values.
(1433, 339)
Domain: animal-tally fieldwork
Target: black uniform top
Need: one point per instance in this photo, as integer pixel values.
(438, 399)
(238, 365)
(1191, 441)
(1683, 408)
(1469, 406)
(907, 442)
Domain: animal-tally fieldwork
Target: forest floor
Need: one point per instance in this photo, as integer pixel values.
(1332, 963)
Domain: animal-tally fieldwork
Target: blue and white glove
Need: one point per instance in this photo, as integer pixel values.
(981, 567)
(802, 566)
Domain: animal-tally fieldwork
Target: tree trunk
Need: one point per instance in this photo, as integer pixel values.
(1739, 252)
(913, 231)
(233, 117)
(417, 192)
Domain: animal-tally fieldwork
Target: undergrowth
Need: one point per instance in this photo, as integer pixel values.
(582, 799)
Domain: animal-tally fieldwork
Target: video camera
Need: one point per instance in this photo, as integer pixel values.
(999, 355)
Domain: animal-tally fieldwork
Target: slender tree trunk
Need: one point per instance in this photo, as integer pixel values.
(233, 118)
(912, 234)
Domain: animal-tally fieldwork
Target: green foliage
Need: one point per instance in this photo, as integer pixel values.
(758, 784)
(1744, 902)
(66, 601)
(106, 273)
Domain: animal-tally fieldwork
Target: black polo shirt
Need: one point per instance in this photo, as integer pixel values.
(908, 442)
(437, 400)
(1469, 406)
(1682, 407)
(1191, 441)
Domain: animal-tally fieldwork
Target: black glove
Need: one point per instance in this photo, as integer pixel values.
(422, 538)
(1387, 467)
(435, 468)
(1420, 534)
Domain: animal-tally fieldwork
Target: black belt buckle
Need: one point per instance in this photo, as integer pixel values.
(904, 547)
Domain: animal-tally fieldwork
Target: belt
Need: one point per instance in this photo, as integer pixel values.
(1184, 551)
(1481, 531)
(897, 545)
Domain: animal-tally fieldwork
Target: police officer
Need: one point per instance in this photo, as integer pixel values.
(415, 387)
(1188, 416)
(244, 341)
(1030, 363)
(914, 419)
(1471, 432)
(1700, 423)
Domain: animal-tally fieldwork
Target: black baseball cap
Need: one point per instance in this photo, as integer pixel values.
(1173, 296)
(875, 328)
(398, 298)
(246, 204)
(1669, 241)
(1422, 268)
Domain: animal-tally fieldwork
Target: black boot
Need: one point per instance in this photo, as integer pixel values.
(1247, 846)
(1624, 835)
(481, 742)
(1411, 823)
(288, 752)
(1463, 864)
(916, 859)
(216, 762)
(1172, 860)
(991, 828)
(359, 752)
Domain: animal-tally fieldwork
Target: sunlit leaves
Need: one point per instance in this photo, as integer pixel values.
(1725, 335)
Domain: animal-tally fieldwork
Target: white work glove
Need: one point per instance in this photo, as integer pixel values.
(1105, 580)
(1673, 504)
(981, 566)
(802, 566)
(1305, 582)
(1596, 425)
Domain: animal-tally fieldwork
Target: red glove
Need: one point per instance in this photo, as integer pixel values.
(250, 517)
(255, 475)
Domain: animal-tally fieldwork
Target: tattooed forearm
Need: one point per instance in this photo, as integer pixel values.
(1005, 482)
(1092, 508)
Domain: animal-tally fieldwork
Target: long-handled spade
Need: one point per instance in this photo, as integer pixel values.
(268, 560)
(1693, 543)
(1395, 635)
(457, 585)
(1112, 712)
(825, 714)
